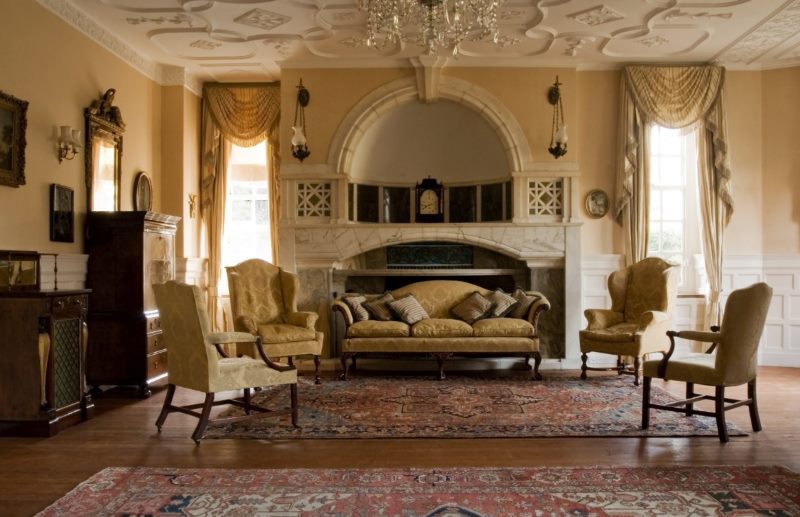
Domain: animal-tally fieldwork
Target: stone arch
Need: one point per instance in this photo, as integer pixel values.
(390, 95)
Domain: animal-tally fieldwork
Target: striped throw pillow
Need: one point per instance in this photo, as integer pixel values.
(525, 301)
(502, 303)
(354, 303)
(409, 310)
(379, 308)
(473, 308)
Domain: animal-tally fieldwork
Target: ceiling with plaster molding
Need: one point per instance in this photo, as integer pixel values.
(252, 40)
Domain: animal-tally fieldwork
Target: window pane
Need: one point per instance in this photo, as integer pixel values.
(670, 141)
(241, 210)
(262, 211)
(240, 188)
(655, 205)
(654, 240)
(671, 172)
(673, 205)
(672, 237)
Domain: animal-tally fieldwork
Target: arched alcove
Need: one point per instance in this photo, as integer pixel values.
(446, 140)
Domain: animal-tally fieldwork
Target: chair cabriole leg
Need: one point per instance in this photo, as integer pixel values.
(197, 435)
(755, 421)
(719, 412)
(162, 417)
(646, 403)
(689, 394)
(247, 401)
(584, 357)
(636, 364)
(537, 360)
(345, 356)
(316, 370)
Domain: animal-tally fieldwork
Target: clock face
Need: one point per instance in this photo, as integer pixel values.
(429, 202)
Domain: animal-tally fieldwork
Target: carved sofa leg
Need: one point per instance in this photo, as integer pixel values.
(527, 361)
(537, 360)
(584, 357)
(316, 369)
(344, 358)
(440, 358)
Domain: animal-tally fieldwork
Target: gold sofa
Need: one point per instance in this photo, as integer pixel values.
(442, 335)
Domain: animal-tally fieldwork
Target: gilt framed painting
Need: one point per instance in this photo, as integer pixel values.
(13, 123)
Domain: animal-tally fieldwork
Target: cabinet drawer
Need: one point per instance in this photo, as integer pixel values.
(156, 364)
(153, 322)
(155, 343)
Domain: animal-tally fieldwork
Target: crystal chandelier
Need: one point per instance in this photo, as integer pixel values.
(432, 24)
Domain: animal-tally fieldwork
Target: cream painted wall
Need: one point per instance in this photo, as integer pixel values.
(180, 140)
(595, 147)
(781, 161)
(743, 92)
(60, 72)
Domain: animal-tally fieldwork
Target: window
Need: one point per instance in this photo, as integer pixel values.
(247, 228)
(674, 222)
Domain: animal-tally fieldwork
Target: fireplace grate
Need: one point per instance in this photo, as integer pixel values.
(429, 255)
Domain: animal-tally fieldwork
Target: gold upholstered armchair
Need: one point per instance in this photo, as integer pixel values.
(642, 296)
(730, 361)
(197, 361)
(264, 304)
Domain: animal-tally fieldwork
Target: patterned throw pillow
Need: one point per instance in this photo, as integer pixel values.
(409, 310)
(473, 308)
(525, 301)
(356, 308)
(502, 303)
(379, 307)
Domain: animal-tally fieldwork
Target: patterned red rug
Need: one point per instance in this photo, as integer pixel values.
(468, 407)
(473, 492)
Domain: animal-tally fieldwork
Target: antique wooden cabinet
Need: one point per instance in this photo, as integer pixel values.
(42, 361)
(128, 253)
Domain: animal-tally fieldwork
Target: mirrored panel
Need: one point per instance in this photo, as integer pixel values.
(104, 128)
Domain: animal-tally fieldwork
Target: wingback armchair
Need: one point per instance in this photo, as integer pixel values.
(264, 303)
(642, 296)
(197, 361)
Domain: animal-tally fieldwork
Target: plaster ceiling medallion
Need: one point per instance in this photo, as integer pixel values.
(262, 19)
(596, 16)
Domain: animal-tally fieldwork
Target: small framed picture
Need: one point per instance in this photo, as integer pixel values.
(596, 203)
(13, 123)
(62, 215)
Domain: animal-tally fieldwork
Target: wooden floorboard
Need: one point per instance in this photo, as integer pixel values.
(34, 472)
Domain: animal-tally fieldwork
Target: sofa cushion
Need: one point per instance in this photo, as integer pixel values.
(473, 308)
(379, 307)
(438, 327)
(525, 301)
(284, 333)
(502, 303)
(502, 327)
(372, 328)
(408, 309)
(355, 304)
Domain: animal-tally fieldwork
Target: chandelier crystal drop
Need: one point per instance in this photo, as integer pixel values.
(433, 24)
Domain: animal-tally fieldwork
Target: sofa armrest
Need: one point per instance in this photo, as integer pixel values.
(602, 318)
(342, 307)
(536, 310)
(245, 324)
(304, 319)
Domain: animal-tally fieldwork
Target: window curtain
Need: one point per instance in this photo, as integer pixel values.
(243, 115)
(675, 97)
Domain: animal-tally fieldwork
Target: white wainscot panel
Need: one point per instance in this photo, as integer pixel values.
(780, 282)
(774, 338)
(794, 340)
(776, 307)
(745, 279)
(794, 311)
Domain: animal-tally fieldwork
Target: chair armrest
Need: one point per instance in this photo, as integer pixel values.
(693, 335)
(305, 319)
(345, 310)
(653, 318)
(602, 318)
(269, 362)
(246, 324)
(697, 335)
(219, 338)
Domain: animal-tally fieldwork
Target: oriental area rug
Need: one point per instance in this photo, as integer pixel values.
(453, 492)
(467, 407)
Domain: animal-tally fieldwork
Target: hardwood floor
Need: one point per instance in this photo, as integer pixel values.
(35, 472)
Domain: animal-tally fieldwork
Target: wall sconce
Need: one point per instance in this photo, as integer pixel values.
(192, 205)
(299, 145)
(558, 133)
(69, 143)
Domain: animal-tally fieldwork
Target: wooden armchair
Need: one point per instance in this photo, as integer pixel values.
(733, 364)
(642, 296)
(264, 304)
(196, 361)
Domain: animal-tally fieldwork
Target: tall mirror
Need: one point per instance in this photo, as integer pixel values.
(104, 128)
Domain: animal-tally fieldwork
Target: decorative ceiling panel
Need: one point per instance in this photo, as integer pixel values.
(236, 38)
